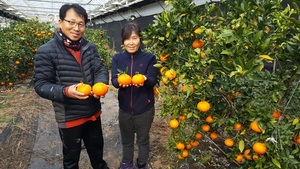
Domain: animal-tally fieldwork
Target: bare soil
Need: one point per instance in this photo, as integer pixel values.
(29, 138)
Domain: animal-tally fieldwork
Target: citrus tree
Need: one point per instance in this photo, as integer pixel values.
(100, 39)
(21, 41)
(230, 73)
(18, 46)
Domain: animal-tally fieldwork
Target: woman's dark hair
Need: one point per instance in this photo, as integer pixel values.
(128, 28)
(78, 9)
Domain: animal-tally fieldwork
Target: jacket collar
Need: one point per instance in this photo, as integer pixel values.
(133, 54)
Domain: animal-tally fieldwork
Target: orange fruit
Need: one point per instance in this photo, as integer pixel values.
(195, 143)
(246, 154)
(203, 106)
(180, 146)
(213, 136)
(197, 43)
(255, 127)
(170, 74)
(84, 88)
(138, 79)
(187, 87)
(209, 119)
(164, 79)
(238, 126)
(229, 142)
(276, 114)
(163, 57)
(155, 91)
(124, 79)
(184, 153)
(2, 83)
(17, 62)
(202, 54)
(181, 117)
(239, 158)
(296, 138)
(255, 156)
(174, 123)
(100, 89)
(198, 136)
(259, 148)
(180, 157)
(188, 146)
(205, 127)
(10, 84)
(163, 70)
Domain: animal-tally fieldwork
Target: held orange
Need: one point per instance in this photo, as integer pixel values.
(138, 79)
(84, 88)
(124, 79)
(259, 148)
(100, 89)
(203, 106)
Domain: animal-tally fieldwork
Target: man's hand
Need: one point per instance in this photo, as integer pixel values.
(73, 93)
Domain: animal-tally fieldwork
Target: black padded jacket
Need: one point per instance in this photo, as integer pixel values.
(55, 68)
(135, 100)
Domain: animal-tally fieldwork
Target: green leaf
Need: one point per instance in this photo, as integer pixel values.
(161, 38)
(241, 145)
(158, 65)
(227, 52)
(276, 162)
(226, 33)
(189, 115)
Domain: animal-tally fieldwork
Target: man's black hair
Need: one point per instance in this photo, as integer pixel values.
(78, 9)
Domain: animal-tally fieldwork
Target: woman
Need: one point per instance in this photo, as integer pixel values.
(136, 101)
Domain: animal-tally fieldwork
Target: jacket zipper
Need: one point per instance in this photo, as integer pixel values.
(131, 93)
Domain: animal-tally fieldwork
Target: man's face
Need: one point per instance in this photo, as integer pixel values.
(73, 25)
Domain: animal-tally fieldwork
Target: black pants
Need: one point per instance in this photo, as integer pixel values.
(91, 134)
(140, 124)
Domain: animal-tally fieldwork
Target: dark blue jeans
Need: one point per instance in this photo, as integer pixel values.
(91, 134)
(140, 124)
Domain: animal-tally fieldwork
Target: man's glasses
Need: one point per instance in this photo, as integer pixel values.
(80, 24)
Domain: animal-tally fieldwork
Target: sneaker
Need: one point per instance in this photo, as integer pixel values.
(127, 165)
(138, 166)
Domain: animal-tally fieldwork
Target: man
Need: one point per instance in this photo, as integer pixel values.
(60, 65)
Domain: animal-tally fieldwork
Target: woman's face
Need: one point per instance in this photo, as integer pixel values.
(132, 44)
(73, 25)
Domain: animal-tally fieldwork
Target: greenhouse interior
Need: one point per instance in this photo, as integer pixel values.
(224, 77)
